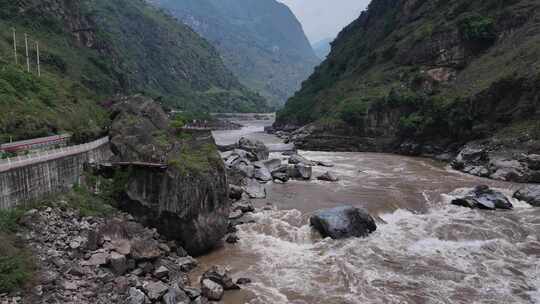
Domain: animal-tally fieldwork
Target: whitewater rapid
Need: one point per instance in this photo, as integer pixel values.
(425, 250)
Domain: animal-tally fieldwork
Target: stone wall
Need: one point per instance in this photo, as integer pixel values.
(31, 177)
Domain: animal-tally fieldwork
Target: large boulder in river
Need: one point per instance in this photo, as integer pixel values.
(256, 147)
(529, 194)
(300, 171)
(482, 197)
(179, 184)
(343, 222)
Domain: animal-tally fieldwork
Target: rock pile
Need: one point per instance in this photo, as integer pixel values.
(249, 168)
(95, 260)
(488, 160)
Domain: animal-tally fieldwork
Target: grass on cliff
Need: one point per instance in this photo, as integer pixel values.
(196, 156)
(16, 261)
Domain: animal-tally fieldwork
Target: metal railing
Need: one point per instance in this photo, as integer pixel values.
(43, 156)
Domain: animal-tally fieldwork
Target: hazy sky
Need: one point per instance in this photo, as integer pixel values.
(325, 18)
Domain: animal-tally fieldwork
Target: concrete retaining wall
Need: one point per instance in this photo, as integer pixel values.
(31, 177)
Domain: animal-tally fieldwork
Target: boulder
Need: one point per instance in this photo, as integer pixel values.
(243, 206)
(243, 154)
(243, 281)
(232, 239)
(482, 197)
(235, 192)
(221, 276)
(118, 263)
(300, 171)
(343, 222)
(235, 214)
(254, 189)
(255, 147)
(272, 164)
(136, 296)
(212, 290)
(97, 259)
(279, 176)
(262, 173)
(176, 296)
(323, 164)
(145, 249)
(161, 272)
(329, 177)
(155, 290)
(247, 170)
(297, 159)
(187, 263)
(529, 194)
(121, 246)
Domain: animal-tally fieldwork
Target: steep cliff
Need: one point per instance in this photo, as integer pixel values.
(425, 77)
(187, 198)
(260, 41)
(93, 49)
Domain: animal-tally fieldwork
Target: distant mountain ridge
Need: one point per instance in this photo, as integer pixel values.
(261, 41)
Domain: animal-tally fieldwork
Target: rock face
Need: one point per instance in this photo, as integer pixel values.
(187, 199)
(421, 113)
(529, 194)
(343, 222)
(482, 197)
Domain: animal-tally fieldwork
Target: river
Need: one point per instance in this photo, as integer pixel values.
(424, 250)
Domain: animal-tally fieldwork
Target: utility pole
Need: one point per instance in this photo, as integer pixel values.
(37, 56)
(15, 46)
(27, 56)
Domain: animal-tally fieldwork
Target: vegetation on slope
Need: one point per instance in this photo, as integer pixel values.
(94, 49)
(260, 41)
(457, 69)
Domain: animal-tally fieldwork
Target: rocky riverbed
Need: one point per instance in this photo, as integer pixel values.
(426, 249)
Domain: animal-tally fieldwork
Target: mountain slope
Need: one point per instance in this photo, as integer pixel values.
(322, 47)
(421, 69)
(93, 49)
(260, 41)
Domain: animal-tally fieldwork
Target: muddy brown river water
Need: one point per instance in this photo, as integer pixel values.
(424, 250)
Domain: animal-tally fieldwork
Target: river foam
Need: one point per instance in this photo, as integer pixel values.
(448, 255)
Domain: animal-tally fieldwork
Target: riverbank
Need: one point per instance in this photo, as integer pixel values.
(510, 155)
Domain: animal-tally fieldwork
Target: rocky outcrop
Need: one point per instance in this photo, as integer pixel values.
(529, 194)
(187, 200)
(343, 222)
(482, 197)
(500, 160)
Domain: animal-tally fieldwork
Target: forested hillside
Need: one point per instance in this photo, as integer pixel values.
(94, 49)
(437, 73)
